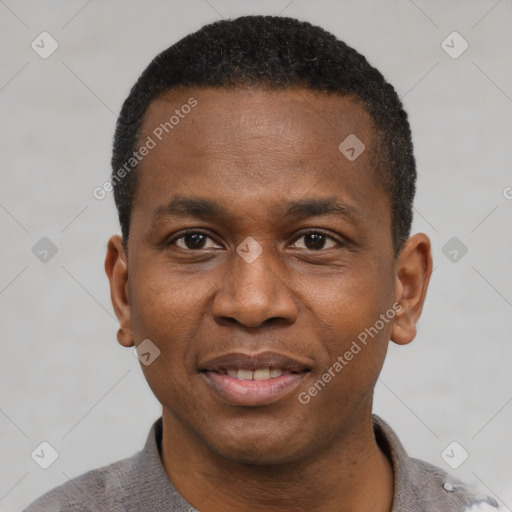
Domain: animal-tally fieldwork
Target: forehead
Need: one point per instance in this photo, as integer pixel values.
(251, 148)
(250, 115)
(287, 131)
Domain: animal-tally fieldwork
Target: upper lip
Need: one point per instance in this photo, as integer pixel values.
(241, 360)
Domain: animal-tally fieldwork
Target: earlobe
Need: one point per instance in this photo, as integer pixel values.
(116, 268)
(413, 269)
(404, 328)
(125, 338)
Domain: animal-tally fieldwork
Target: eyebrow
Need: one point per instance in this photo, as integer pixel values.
(207, 209)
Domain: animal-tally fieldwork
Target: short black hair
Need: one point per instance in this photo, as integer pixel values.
(273, 52)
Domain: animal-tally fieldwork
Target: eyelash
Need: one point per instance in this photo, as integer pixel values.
(304, 233)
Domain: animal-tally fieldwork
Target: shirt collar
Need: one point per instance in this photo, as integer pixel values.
(406, 493)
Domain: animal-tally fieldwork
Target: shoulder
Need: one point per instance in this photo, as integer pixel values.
(437, 490)
(99, 489)
(423, 486)
(118, 487)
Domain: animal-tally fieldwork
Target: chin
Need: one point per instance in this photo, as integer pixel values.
(256, 456)
(258, 447)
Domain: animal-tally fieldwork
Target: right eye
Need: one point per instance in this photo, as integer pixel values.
(192, 240)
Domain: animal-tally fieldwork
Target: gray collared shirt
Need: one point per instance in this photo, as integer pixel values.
(140, 484)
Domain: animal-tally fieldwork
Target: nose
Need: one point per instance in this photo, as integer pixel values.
(254, 293)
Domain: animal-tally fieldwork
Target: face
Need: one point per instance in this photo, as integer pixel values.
(258, 255)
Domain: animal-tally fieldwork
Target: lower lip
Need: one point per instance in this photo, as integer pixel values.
(253, 392)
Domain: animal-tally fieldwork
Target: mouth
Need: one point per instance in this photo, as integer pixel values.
(253, 380)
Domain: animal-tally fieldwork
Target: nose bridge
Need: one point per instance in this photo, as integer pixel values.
(253, 291)
(253, 273)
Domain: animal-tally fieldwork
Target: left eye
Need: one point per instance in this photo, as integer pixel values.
(193, 240)
(316, 240)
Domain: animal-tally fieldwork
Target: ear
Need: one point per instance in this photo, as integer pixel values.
(413, 269)
(116, 267)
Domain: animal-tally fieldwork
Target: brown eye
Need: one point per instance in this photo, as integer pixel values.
(193, 240)
(316, 240)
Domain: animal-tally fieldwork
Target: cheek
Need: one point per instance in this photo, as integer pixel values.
(164, 301)
(167, 309)
(352, 315)
(358, 342)
(353, 357)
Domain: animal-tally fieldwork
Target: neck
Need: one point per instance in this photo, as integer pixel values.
(351, 475)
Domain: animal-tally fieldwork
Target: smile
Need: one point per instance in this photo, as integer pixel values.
(253, 380)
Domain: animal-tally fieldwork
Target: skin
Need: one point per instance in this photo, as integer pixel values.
(252, 151)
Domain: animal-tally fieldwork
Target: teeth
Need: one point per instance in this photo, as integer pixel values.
(262, 374)
(259, 374)
(244, 374)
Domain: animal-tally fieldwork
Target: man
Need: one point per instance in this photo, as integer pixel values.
(264, 178)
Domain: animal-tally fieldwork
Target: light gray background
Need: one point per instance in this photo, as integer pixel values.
(64, 378)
